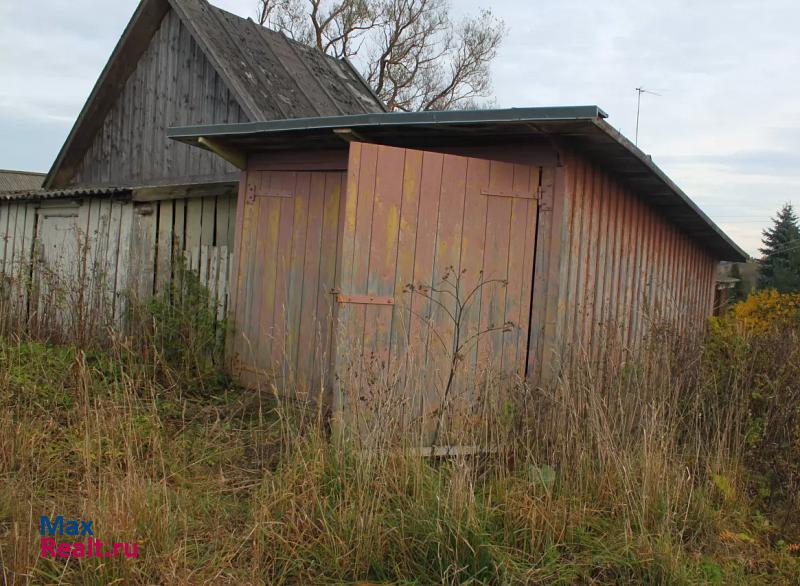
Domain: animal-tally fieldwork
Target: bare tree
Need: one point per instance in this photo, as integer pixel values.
(411, 52)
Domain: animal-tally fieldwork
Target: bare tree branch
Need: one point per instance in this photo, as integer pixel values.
(409, 51)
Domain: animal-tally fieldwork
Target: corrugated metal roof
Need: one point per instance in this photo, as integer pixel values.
(583, 127)
(37, 194)
(19, 180)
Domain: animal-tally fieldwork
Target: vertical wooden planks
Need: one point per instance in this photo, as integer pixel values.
(283, 181)
(165, 245)
(495, 264)
(297, 274)
(592, 260)
(123, 263)
(6, 240)
(91, 244)
(623, 263)
(192, 232)
(26, 254)
(330, 266)
(309, 348)
(261, 287)
(617, 218)
(385, 228)
(575, 187)
(581, 250)
(104, 247)
(250, 330)
(423, 216)
(600, 266)
(286, 254)
(361, 222)
(406, 246)
(472, 247)
(551, 339)
(142, 250)
(224, 247)
(528, 273)
(420, 334)
(518, 248)
(447, 251)
(173, 83)
(112, 257)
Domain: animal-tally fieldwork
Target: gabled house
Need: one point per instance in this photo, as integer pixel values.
(126, 199)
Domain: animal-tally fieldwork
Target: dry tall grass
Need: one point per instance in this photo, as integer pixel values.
(634, 470)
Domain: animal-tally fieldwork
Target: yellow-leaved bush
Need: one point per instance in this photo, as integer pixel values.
(756, 346)
(765, 310)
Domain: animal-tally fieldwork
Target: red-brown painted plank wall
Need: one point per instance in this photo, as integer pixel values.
(620, 266)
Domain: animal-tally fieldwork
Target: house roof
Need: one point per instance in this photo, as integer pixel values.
(19, 180)
(270, 76)
(71, 193)
(582, 126)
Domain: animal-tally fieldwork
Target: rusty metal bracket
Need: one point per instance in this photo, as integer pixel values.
(500, 193)
(276, 193)
(252, 194)
(545, 193)
(364, 299)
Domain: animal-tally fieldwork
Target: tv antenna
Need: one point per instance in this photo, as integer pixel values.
(640, 91)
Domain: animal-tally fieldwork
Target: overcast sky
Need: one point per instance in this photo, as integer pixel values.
(726, 127)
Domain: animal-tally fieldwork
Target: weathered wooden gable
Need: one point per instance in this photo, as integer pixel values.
(186, 62)
(173, 84)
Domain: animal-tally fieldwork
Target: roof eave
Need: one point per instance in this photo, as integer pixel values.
(720, 243)
(737, 253)
(191, 133)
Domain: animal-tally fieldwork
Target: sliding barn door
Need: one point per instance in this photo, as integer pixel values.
(436, 277)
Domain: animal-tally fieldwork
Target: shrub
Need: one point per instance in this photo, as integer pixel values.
(756, 347)
(768, 309)
(182, 328)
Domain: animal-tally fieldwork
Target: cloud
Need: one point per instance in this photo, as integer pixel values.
(726, 127)
(766, 164)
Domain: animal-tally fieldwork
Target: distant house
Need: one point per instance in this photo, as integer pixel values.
(16, 181)
(131, 201)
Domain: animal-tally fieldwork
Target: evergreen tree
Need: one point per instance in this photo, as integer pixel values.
(780, 263)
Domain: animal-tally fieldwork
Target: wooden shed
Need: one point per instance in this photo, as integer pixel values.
(561, 231)
(131, 199)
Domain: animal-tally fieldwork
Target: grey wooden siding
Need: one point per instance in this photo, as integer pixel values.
(173, 85)
(72, 265)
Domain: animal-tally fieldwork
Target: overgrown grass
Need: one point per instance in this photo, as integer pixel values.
(642, 470)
